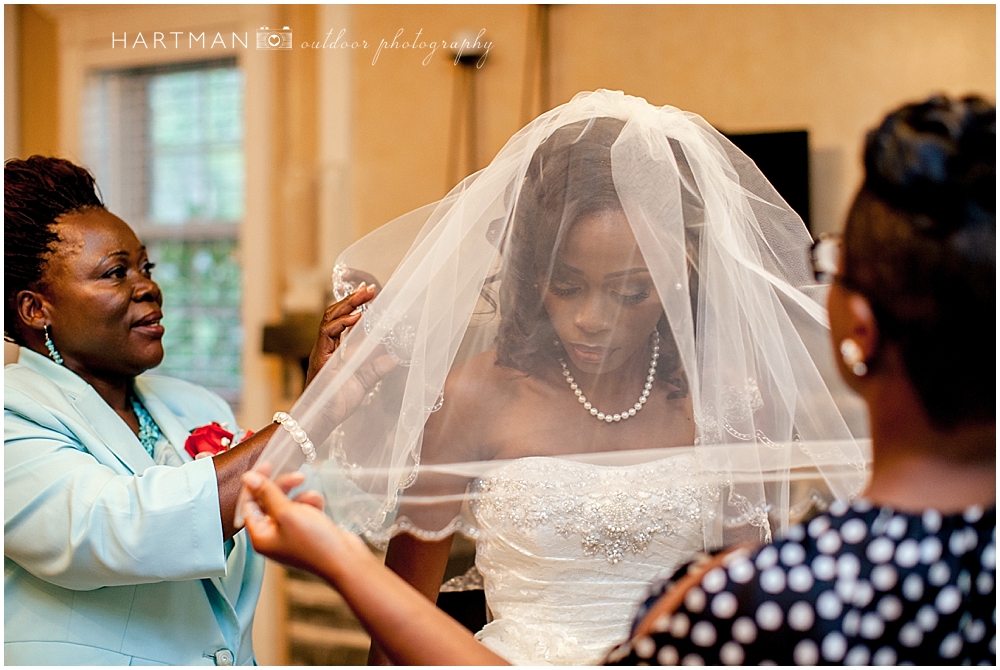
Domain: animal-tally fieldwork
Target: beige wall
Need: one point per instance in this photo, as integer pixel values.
(39, 82)
(11, 108)
(830, 69)
(402, 108)
(12, 79)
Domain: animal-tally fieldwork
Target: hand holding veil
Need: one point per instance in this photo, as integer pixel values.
(621, 286)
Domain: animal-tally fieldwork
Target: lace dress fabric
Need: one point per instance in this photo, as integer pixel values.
(570, 548)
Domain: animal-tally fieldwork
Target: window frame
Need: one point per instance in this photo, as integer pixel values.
(85, 45)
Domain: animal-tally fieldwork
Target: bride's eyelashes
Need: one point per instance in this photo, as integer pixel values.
(631, 298)
(563, 291)
(623, 296)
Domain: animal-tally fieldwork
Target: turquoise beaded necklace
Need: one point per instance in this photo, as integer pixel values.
(149, 432)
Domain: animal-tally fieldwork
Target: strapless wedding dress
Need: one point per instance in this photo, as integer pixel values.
(569, 550)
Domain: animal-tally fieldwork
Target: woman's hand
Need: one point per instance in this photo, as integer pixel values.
(410, 628)
(296, 533)
(337, 318)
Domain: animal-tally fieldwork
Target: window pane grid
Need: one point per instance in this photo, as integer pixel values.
(196, 146)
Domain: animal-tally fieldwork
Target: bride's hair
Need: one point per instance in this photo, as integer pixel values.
(569, 177)
(920, 245)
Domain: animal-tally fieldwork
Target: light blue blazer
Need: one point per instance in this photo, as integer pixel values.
(110, 559)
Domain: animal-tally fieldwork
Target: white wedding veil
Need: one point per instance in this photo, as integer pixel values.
(474, 328)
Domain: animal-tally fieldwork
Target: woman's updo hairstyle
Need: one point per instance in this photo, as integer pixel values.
(920, 244)
(36, 192)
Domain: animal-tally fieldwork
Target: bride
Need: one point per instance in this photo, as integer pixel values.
(609, 355)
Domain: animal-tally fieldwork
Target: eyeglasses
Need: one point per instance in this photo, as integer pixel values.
(825, 256)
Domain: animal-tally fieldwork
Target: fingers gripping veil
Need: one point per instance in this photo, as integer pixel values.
(619, 304)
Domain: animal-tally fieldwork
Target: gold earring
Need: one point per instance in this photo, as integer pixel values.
(853, 357)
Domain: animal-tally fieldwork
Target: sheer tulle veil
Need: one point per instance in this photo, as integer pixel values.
(740, 343)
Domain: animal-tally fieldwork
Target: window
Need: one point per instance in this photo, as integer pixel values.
(166, 147)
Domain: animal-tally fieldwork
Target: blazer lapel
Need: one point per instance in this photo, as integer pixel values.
(107, 426)
(171, 427)
(113, 431)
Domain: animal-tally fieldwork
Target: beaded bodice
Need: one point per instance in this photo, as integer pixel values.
(568, 550)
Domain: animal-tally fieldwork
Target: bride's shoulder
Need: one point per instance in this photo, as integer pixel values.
(479, 379)
(473, 393)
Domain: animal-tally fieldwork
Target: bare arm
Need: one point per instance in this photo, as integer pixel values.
(408, 627)
(229, 468)
(421, 565)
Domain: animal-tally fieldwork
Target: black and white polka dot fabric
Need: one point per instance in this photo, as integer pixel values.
(854, 586)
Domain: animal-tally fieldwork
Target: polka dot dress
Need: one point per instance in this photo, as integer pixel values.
(856, 586)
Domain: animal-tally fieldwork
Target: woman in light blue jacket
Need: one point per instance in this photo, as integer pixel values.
(119, 547)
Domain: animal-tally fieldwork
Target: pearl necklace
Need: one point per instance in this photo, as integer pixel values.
(631, 411)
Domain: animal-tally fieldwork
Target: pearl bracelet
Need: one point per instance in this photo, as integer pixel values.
(299, 435)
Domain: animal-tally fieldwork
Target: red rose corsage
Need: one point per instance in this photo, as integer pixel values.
(209, 440)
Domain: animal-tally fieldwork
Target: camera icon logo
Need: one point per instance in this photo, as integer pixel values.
(274, 39)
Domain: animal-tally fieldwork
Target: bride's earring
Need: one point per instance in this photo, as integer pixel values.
(853, 357)
(53, 354)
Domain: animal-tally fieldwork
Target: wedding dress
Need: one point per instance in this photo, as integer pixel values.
(606, 352)
(562, 570)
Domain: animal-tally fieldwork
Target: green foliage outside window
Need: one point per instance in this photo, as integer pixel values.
(201, 315)
(196, 146)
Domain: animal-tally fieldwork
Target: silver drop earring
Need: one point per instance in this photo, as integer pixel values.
(853, 357)
(53, 354)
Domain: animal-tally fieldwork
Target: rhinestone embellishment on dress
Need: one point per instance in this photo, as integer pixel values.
(613, 511)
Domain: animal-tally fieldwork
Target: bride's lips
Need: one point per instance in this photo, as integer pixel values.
(150, 324)
(588, 354)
